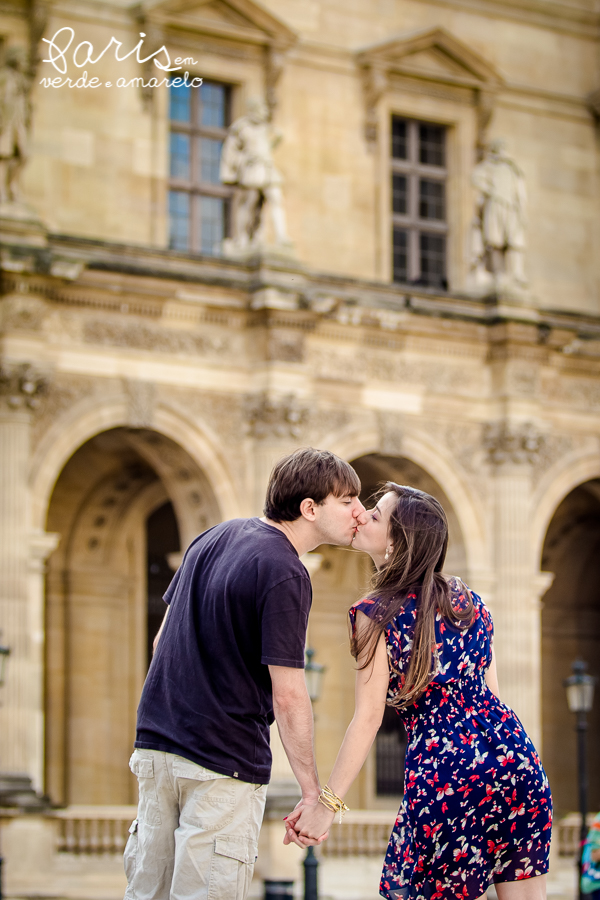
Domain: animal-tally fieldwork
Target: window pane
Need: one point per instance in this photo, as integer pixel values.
(433, 260)
(179, 220)
(213, 99)
(400, 254)
(180, 156)
(211, 225)
(399, 194)
(399, 139)
(210, 160)
(431, 145)
(180, 103)
(431, 199)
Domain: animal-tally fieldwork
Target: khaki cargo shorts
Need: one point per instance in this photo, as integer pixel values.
(196, 832)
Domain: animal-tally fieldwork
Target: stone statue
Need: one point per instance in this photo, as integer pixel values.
(15, 86)
(500, 220)
(247, 162)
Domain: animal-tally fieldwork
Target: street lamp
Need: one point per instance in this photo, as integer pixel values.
(4, 653)
(314, 677)
(580, 697)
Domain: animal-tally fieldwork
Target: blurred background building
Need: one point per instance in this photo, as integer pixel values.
(395, 258)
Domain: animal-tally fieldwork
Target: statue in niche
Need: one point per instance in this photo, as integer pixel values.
(247, 163)
(15, 84)
(500, 220)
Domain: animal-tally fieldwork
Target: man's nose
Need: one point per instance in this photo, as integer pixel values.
(360, 514)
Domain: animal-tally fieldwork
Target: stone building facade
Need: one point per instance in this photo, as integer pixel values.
(148, 385)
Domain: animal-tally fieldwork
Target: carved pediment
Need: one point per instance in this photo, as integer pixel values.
(240, 20)
(434, 54)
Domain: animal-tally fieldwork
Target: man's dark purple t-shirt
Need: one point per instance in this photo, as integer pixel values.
(238, 603)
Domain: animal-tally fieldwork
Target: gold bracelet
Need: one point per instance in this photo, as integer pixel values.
(334, 803)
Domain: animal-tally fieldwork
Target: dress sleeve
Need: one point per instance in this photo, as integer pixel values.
(365, 606)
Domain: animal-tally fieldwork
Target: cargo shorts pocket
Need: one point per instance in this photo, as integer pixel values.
(130, 854)
(148, 808)
(231, 868)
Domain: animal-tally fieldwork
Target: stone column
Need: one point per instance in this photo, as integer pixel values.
(512, 450)
(21, 698)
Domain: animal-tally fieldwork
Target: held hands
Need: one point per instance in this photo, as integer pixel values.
(308, 824)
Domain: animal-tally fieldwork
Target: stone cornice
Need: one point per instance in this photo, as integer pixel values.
(162, 286)
(560, 17)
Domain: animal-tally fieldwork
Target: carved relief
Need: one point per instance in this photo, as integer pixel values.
(140, 336)
(142, 399)
(517, 444)
(62, 394)
(282, 417)
(572, 392)
(285, 346)
(552, 449)
(332, 364)
(391, 427)
(22, 313)
(21, 386)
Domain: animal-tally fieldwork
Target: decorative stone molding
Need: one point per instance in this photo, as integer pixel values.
(433, 56)
(516, 444)
(142, 401)
(375, 84)
(140, 336)
(282, 417)
(21, 386)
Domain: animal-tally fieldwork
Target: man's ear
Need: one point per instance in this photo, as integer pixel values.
(307, 509)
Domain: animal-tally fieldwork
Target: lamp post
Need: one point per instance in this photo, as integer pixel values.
(580, 697)
(4, 654)
(314, 676)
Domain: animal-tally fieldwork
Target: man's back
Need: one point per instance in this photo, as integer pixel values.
(239, 603)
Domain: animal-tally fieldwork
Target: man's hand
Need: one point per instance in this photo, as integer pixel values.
(308, 825)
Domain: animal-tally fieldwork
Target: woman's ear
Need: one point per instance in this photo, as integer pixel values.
(388, 551)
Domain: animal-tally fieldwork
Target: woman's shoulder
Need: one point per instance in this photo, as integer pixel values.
(367, 606)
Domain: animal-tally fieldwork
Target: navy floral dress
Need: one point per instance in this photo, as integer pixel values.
(477, 807)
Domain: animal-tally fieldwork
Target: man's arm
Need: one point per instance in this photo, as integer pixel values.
(293, 714)
(159, 632)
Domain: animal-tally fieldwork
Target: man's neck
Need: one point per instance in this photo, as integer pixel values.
(302, 541)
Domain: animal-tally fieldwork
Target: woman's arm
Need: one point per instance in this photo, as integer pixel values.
(371, 688)
(491, 676)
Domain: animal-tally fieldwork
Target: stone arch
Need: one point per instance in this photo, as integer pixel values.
(85, 419)
(572, 469)
(343, 574)
(566, 543)
(353, 443)
(96, 596)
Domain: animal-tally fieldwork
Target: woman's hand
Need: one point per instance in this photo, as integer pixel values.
(308, 825)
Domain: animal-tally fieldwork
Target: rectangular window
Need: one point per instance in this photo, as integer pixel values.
(198, 203)
(419, 227)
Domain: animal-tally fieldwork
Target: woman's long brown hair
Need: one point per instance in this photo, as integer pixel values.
(418, 533)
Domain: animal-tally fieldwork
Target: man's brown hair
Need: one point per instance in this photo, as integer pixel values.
(307, 473)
